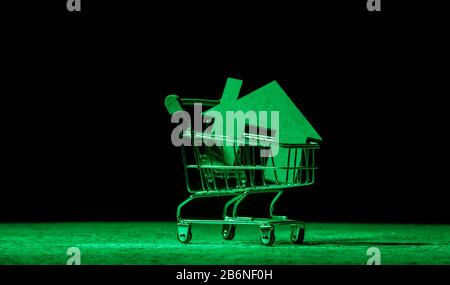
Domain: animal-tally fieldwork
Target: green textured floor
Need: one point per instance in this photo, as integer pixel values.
(156, 243)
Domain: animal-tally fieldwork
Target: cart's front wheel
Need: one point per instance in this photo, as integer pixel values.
(228, 231)
(297, 233)
(184, 233)
(267, 235)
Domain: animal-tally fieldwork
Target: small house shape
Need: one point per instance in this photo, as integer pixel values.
(293, 127)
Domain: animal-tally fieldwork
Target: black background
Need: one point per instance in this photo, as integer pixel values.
(88, 138)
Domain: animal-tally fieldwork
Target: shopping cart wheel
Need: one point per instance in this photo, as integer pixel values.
(297, 233)
(184, 233)
(267, 234)
(228, 231)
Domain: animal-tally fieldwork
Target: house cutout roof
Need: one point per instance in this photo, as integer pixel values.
(294, 128)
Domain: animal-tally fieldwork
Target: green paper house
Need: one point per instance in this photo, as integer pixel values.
(293, 127)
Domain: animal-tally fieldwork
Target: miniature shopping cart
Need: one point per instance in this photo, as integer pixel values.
(250, 173)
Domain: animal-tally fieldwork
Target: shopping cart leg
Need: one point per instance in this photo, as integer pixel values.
(297, 228)
(229, 230)
(272, 207)
(228, 204)
(238, 201)
(189, 199)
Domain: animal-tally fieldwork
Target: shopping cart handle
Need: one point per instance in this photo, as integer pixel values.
(173, 104)
(204, 102)
(313, 140)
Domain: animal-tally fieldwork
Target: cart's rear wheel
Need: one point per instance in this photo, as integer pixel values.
(228, 231)
(267, 235)
(184, 233)
(297, 233)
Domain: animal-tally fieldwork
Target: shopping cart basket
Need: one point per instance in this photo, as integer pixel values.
(250, 174)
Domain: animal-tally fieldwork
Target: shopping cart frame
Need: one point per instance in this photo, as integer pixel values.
(239, 193)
